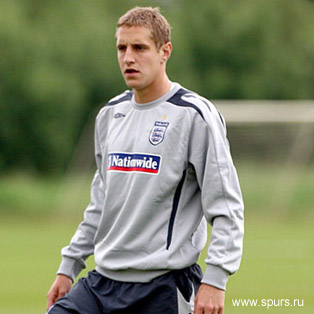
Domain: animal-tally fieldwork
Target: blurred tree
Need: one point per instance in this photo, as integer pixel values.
(58, 63)
(245, 49)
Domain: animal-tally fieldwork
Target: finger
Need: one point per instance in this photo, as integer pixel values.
(61, 294)
(216, 310)
(199, 309)
(51, 300)
(210, 310)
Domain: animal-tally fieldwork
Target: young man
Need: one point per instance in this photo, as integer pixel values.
(163, 164)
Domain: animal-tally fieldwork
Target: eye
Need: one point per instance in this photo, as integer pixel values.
(121, 48)
(139, 47)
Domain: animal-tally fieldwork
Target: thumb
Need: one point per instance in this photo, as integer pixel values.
(51, 300)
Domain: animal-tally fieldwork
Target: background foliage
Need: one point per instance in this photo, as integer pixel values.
(58, 63)
(58, 66)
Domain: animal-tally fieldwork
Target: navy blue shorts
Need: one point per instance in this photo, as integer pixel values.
(171, 293)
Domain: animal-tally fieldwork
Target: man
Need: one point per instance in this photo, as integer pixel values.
(163, 164)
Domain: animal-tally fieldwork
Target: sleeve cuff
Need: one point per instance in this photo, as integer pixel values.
(216, 277)
(70, 267)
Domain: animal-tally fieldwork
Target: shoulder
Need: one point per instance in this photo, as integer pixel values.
(199, 104)
(125, 96)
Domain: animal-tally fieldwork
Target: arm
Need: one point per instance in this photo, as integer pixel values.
(221, 201)
(82, 243)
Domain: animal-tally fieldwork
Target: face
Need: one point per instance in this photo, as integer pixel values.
(141, 64)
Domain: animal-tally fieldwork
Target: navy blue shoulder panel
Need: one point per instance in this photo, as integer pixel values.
(127, 96)
(177, 100)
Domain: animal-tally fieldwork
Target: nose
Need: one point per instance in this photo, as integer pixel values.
(128, 56)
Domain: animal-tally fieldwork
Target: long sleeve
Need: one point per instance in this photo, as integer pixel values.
(82, 243)
(221, 196)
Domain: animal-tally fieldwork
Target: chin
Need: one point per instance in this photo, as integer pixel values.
(130, 83)
(134, 85)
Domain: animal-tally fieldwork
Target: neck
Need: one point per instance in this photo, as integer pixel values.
(153, 92)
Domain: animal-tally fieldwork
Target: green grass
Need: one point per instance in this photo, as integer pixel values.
(30, 251)
(38, 216)
(280, 191)
(277, 264)
(29, 195)
(276, 190)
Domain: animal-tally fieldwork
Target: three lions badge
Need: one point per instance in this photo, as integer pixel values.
(157, 133)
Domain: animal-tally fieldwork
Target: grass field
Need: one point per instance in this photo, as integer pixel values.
(277, 264)
(278, 249)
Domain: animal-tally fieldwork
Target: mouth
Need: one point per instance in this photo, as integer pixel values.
(131, 71)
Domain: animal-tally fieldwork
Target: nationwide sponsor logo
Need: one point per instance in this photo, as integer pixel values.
(134, 162)
(158, 132)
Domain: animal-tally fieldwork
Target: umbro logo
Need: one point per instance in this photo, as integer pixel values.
(119, 115)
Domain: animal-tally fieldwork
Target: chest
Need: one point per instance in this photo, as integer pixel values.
(158, 130)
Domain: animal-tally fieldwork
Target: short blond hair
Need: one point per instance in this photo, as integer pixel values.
(152, 19)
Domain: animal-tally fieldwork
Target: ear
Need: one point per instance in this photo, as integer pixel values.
(166, 50)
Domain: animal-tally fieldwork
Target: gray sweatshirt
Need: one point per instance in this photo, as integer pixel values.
(163, 169)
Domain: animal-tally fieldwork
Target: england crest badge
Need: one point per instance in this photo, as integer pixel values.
(157, 133)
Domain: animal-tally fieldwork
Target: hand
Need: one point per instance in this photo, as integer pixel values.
(59, 288)
(209, 300)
